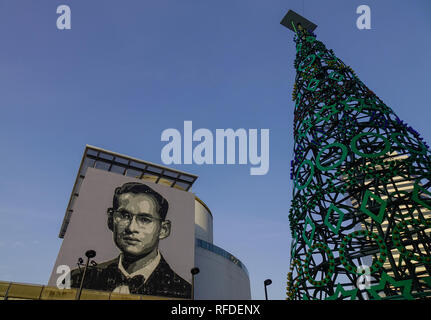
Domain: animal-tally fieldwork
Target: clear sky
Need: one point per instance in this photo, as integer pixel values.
(127, 70)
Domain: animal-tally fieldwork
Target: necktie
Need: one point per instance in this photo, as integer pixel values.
(135, 283)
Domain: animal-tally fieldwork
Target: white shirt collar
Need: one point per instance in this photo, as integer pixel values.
(145, 271)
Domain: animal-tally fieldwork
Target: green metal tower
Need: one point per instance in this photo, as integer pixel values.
(360, 215)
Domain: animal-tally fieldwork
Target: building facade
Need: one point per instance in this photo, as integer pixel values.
(221, 275)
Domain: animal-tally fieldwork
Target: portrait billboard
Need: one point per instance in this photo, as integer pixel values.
(142, 233)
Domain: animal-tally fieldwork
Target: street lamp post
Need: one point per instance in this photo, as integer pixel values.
(194, 271)
(89, 254)
(266, 283)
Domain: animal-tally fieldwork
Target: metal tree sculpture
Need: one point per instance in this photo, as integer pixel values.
(360, 214)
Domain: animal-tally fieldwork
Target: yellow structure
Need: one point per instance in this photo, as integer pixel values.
(20, 291)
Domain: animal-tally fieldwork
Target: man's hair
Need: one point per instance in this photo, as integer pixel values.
(139, 188)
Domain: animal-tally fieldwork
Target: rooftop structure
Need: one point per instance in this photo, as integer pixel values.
(98, 158)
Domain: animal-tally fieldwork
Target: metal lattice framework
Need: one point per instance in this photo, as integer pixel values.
(361, 210)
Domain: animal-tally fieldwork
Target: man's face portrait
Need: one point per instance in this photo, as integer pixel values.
(137, 224)
(138, 220)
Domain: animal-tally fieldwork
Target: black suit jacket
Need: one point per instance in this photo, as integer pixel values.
(106, 277)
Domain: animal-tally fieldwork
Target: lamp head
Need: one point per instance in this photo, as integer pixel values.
(195, 271)
(90, 254)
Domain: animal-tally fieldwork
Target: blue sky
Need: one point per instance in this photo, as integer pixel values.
(127, 70)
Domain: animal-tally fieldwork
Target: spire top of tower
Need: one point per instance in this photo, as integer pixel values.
(291, 21)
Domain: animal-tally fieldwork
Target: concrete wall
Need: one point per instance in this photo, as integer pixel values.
(219, 278)
(203, 223)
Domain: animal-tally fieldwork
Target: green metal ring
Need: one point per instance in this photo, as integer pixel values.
(369, 155)
(302, 65)
(339, 162)
(309, 178)
(323, 247)
(376, 264)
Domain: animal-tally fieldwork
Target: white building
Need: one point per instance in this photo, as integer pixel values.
(221, 276)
